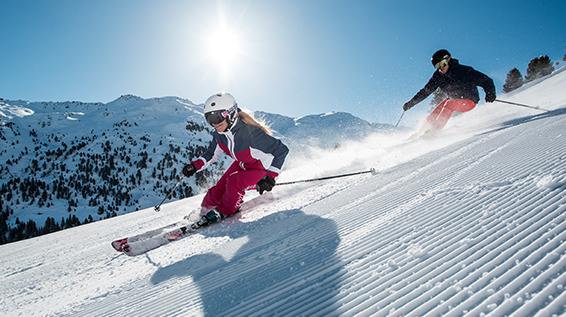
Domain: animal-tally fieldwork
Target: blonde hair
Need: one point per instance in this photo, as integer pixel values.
(250, 120)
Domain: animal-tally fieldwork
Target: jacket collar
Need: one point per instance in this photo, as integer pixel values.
(453, 63)
(234, 126)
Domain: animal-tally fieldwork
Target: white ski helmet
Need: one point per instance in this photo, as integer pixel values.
(219, 107)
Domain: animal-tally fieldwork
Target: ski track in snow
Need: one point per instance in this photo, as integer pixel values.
(476, 228)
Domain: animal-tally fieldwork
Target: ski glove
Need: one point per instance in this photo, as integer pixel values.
(408, 105)
(189, 170)
(265, 184)
(490, 97)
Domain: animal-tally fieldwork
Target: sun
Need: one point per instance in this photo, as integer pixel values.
(224, 48)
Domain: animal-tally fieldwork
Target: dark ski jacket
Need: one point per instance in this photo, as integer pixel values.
(459, 82)
(249, 146)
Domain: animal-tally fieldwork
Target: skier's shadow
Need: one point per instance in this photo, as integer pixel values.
(526, 119)
(279, 262)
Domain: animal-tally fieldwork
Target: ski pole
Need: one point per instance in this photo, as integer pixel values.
(522, 105)
(401, 117)
(156, 208)
(371, 170)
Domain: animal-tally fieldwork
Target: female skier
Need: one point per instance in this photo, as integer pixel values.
(258, 157)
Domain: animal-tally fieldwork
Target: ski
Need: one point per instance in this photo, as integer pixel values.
(119, 244)
(153, 239)
(140, 246)
(182, 231)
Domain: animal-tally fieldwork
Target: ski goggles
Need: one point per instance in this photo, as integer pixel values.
(443, 62)
(216, 117)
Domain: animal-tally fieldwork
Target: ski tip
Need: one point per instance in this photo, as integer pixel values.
(116, 247)
(119, 244)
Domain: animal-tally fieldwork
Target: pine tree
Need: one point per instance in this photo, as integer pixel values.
(513, 81)
(539, 67)
(3, 227)
(31, 229)
(50, 226)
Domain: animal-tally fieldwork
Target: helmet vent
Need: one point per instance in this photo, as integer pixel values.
(213, 104)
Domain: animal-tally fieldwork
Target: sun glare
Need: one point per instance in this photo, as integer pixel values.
(224, 48)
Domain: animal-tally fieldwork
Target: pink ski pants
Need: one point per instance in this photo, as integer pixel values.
(228, 193)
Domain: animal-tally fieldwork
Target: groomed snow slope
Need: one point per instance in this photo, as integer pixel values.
(469, 223)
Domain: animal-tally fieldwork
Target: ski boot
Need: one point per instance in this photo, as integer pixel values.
(213, 216)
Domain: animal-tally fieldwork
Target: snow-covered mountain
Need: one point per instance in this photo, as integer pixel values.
(328, 130)
(67, 163)
(70, 162)
(470, 223)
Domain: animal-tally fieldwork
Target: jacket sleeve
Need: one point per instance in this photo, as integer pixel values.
(270, 151)
(211, 155)
(482, 80)
(428, 89)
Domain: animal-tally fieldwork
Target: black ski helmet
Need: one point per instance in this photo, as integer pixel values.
(439, 55)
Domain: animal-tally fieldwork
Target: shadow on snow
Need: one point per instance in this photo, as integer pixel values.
(279, 263)
(526, 119)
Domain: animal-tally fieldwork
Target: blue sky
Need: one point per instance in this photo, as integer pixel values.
(289, 57)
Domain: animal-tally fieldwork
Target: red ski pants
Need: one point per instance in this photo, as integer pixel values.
(228, 193)
(439, 116)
